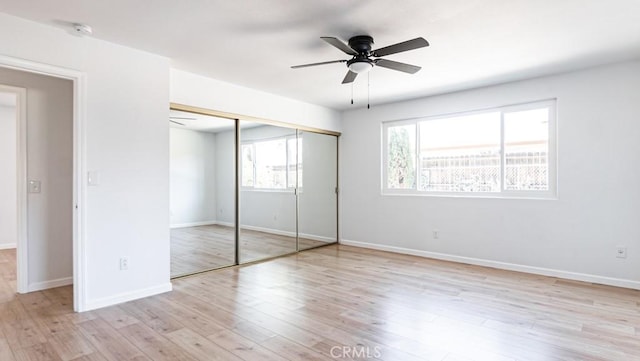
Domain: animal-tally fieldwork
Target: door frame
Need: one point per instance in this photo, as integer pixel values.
(79, 169)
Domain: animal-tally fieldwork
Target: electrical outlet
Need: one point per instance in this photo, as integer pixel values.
(436, 234)
(621, 252)
(124, 264)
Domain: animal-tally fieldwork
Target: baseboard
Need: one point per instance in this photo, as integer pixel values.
(39, 286)
(610, 281)
(192, 224)
(288, 233)
(258, 229)
(318, 238)
(268, 230)
(127, 296)
(7, 245)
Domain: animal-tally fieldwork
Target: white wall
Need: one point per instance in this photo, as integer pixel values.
(50, 161)
(196, 90)
(8, 215)
(192, 177)
(127, 141)
(574, 236)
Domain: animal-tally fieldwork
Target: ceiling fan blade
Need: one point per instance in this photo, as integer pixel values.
(394, 65)
(350, 77)
(400, 47)
(185, 118)
(314, 64)
(339, 44)
(173, 121)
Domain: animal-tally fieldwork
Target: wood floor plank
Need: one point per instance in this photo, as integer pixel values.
(38, 352)
(19, 328)
(96, 356)
(242, 347)
(112, 345)
(200, 347)
(5, 350)
(154, 317)
(70, 345)
(292, 350)
(154, 345)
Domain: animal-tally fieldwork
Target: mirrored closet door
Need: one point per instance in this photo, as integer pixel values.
(268, 165)
(246, 190)
(202, 192)
(317, 189)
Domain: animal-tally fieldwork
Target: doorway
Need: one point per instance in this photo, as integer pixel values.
(37, 227)
(9, 123)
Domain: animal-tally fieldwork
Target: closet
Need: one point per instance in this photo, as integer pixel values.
(244, 190)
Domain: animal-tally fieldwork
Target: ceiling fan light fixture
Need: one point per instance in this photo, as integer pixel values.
(361, 66)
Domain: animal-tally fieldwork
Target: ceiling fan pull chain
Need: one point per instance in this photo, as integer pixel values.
(351, 93)
(368, 91)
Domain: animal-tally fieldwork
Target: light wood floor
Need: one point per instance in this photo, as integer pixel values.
(201, 248)
(301, 307)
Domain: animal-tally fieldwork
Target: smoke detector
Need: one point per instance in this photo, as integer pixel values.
(82, 29)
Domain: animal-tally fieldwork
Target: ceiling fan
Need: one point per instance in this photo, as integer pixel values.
(364, 59)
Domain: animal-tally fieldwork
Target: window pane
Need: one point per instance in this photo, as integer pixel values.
(526, 145)
(271, 164)
(460, 154)
(401, 145)
(247, 165)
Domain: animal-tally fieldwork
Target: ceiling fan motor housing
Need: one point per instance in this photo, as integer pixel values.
(360, 63)
(361, 44)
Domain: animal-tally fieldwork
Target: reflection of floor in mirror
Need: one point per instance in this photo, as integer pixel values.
(201, 248)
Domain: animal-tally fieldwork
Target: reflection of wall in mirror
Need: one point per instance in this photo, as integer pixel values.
(225, 181)
(192, 177)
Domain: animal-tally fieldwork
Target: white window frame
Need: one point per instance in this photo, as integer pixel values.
(551, 193)
(287, 188)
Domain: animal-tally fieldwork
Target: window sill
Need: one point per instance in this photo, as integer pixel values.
(540, 197)
(268, 190)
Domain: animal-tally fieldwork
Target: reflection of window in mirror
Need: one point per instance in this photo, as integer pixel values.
(271, 163)
(247, 165)
(294, 161)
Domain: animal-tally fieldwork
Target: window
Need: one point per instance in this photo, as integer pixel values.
(504, 152)
(271, 163)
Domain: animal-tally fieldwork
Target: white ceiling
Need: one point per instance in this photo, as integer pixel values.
(253, 43)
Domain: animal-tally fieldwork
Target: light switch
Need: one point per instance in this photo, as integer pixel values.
(35, 186)
(93, 178)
